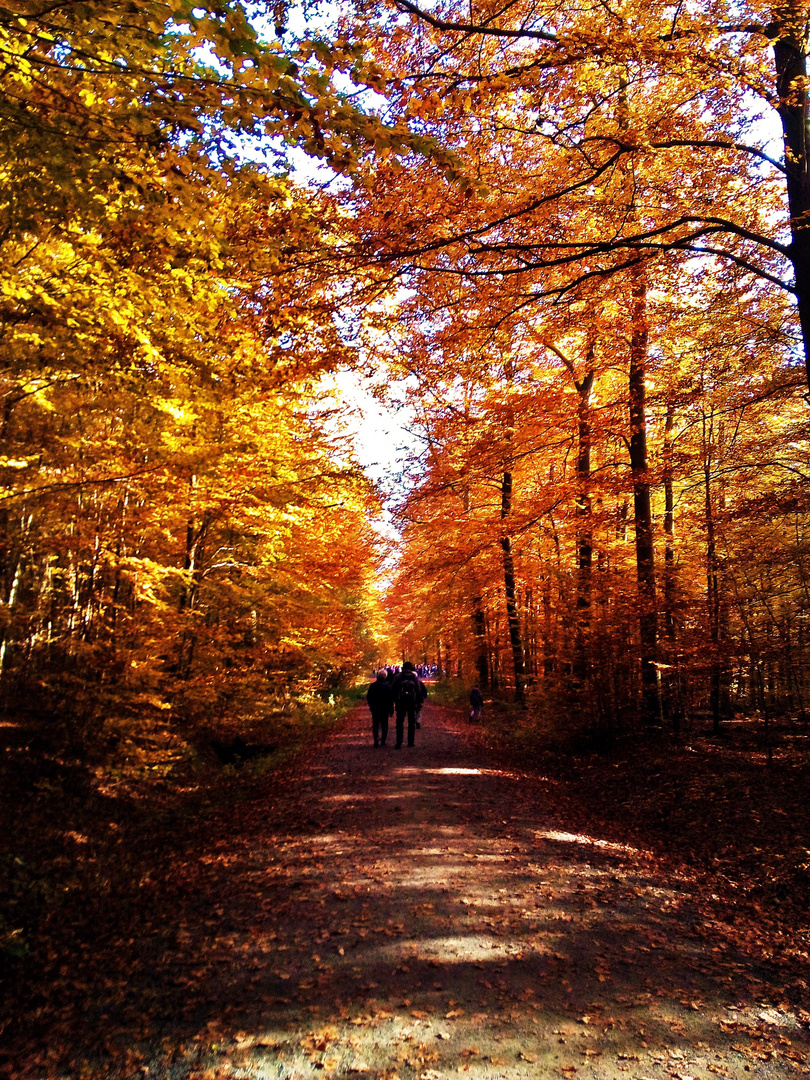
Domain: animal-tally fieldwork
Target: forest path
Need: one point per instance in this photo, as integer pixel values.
(419, 913)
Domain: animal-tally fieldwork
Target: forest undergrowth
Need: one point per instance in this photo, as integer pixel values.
(88, 810)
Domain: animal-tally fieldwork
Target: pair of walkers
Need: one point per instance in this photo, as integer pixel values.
(404, 696)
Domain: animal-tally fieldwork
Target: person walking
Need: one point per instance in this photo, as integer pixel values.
(380, 698)
(409, 692)
(476, 704)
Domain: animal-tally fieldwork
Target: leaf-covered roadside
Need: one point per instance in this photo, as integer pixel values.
(711, 803)
(83, 834)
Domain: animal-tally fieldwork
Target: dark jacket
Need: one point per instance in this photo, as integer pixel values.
(421, 689)
(380, 698)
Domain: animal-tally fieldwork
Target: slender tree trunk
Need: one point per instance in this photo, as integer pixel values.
(549, 637)
(645, 554)
(11, 604)
(512, 616)
(669, 526)
(479, 627)
(584, 510)
(513, 621)
(192, 563)
(712, 583)
(530, 633)
(492, 653)
(584, 526)
(477, 604)
(670, 703)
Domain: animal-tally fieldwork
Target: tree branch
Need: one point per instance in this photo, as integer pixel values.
(474, 28)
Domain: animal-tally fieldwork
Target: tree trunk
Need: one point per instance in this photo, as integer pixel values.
(669, 526)
(645, 555)
(10, 606)
(512, 617)
(584, 524)
(584, 513)
(712, 584)
(790, 59)
(479, 627)
(670, 698)
(515, 637)
(192, 564)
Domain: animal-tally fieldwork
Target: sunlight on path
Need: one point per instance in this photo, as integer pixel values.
(429, 921)
(421, 914)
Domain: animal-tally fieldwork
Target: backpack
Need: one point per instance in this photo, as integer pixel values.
(408, 692)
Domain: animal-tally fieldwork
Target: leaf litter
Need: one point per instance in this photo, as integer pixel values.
(414, 916)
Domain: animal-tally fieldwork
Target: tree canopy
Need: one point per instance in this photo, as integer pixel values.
(568, 230)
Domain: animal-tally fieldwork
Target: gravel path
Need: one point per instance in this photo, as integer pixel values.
(421, 913)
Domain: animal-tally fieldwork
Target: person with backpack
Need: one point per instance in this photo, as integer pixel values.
(380, 700)
(409, 693)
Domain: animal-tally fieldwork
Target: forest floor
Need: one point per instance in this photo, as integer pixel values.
(419, 913)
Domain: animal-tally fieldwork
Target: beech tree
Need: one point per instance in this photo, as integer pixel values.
(592, 149)
(718, 369)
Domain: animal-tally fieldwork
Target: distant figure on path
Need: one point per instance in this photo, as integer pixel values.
(476, 704)
(423, 693)
(380, 698)
(409, 693)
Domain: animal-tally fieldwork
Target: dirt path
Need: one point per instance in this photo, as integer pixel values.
(418, 913)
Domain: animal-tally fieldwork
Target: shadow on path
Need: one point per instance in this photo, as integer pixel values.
(415, 913)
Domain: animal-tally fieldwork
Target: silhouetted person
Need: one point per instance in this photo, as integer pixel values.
(380, 698)
(409, 693)
(476, 704)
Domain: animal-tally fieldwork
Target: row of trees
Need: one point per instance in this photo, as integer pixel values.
(521, 535)
(568, 227)
(599, 315)
(177, 509)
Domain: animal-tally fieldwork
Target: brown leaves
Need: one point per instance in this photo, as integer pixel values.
(320, 1040)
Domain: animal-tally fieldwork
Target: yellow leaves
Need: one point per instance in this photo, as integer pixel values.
(432, 105)
(16, 290)
(15, 463)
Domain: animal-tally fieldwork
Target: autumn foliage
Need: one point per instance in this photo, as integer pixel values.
(179, 518)
(567, 246)
(596, 313)
(570, 229)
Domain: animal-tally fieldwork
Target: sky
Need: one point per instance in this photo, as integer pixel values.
(381, 436)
